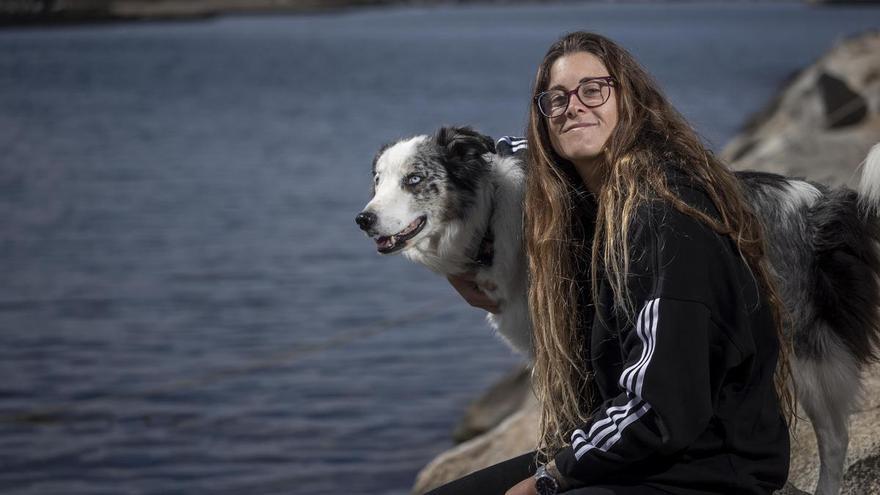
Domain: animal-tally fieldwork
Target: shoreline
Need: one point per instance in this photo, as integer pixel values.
(49, 13)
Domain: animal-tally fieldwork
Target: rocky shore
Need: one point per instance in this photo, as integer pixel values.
(51, 12)
(820, 126)
(47, 12)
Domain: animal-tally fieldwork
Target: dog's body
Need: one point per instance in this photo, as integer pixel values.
(823, 246)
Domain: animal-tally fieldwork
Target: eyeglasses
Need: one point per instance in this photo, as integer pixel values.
(592, 92)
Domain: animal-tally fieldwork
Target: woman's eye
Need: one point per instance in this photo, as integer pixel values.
(413, 179)
(591, 90)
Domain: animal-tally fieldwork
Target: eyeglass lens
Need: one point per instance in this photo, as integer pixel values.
(591, 93)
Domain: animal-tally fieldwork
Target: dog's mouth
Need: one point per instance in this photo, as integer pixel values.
(387, 244)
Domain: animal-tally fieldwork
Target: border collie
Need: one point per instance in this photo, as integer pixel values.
(440, 199)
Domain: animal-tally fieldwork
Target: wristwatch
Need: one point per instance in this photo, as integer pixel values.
(545, 483)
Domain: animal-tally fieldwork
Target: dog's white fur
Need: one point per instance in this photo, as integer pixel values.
(869, 185)
(800, 194)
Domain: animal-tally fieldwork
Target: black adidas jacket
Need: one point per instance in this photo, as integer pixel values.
(684, 391)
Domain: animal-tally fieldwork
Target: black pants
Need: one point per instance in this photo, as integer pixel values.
(497, 479)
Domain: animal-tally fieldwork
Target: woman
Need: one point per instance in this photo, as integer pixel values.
(657, 327)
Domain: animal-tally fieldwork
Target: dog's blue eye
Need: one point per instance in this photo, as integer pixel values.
(413, 179)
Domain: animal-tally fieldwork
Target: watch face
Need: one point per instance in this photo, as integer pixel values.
(546, 485)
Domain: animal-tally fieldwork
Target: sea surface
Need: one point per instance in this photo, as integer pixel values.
(186, 304)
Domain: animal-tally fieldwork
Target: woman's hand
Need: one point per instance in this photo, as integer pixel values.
(524, 487)
(466, 285)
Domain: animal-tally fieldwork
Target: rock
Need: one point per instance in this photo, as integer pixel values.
(788, 489)
(843, 106)
(503, 399)
(22, 12)
(515, 435)
(518, 433)
(823, 122)
(862, 477)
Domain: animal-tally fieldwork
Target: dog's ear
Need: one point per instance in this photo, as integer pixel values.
(464, 142)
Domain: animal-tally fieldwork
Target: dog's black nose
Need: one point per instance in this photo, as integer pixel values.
(365, 219)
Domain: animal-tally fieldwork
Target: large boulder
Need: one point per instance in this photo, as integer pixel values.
(504, 398)
(822, 124)
(516, 435)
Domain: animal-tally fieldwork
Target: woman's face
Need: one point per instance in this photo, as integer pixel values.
(579, 134)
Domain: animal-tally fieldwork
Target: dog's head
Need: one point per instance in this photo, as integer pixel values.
(422, 184)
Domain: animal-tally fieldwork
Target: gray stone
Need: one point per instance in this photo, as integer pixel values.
(823, 122)
(499, 402)
(862, 477)
(843, 106)
(789, 489)
(514, 436)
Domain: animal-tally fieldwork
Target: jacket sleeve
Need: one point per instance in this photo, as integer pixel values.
(665, 390)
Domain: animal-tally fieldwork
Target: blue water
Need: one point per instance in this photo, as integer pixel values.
(186, 305)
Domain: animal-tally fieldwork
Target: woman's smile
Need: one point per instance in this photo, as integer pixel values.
(579, 126)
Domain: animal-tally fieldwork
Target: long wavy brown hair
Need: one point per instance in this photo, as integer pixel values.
(649, 131)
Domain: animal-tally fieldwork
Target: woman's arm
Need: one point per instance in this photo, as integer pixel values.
(665, 398)
(466, 285)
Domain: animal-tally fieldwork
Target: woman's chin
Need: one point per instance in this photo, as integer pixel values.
(584, 157)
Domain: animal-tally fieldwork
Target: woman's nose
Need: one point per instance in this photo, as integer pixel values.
(574, 105)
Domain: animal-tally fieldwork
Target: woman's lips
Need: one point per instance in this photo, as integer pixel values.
(579, 126)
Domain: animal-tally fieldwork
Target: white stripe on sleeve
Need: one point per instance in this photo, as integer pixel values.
(632, 379)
